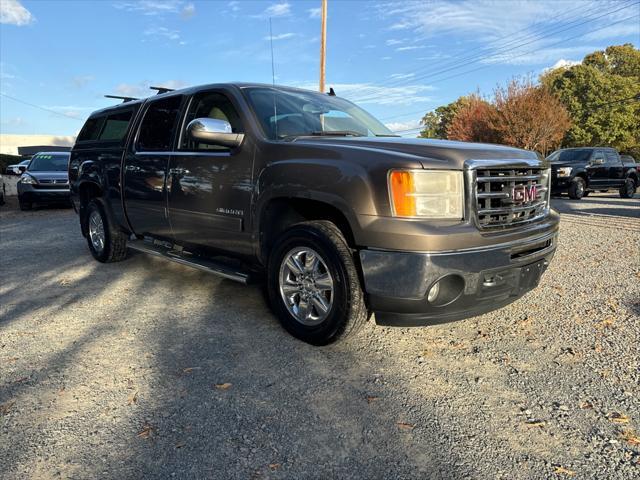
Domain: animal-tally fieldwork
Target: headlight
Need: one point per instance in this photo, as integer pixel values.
(25, 178)
(564, 171)
(435, 194)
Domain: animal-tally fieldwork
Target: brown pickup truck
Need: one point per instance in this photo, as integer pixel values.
(313, 196)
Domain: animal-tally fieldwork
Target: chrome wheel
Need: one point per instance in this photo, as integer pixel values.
(96, 231)
(306, 286)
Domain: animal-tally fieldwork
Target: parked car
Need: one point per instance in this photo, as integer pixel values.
(46, 181)
(18, 168)
(313, 195)
(579, 171)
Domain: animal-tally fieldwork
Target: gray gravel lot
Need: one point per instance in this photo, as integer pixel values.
(150, 369)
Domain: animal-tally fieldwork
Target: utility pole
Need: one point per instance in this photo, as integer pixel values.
(323, 44)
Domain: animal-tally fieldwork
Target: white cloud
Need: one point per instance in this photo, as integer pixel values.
(537, 56)
(314, 12)
(393, 41)
(631, 29)
(13, 13)
(141, 89)
(9, 143)
(155, 7)
(163, 33)
(410, 47)
(282, 36)
(277, 10)
(403, 126)
(400, 76)
(562, 63)
(234, 5)
(188, 11)
(370, 93)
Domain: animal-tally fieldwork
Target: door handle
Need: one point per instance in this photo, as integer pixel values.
(131, 168)
(179, 171)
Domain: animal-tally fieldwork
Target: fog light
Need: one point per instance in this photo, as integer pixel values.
(433, 292)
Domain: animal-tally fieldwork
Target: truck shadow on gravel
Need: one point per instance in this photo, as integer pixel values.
(155, 370)
(622, 208)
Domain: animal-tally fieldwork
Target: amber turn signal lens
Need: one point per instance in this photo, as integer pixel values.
(402, 187)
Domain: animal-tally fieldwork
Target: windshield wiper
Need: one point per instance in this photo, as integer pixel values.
(387, 135)
(336, 133)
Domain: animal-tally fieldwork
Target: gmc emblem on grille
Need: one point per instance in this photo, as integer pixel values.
(524, 193)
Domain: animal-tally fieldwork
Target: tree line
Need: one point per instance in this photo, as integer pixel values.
(593, 103)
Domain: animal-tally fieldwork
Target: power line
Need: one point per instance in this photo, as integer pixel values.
(512, 57)
(464, 61)
(65, 115)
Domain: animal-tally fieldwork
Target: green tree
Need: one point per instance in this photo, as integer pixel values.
(436, 123)
(601, 96)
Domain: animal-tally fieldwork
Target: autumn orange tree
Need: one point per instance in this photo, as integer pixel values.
(473, 121)
(528, 116)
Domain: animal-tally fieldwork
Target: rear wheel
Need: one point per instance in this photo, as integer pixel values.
(577, 188)
(106, 243)
(628, 190)
(313, 284)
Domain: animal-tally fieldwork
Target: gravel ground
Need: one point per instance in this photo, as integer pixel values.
(150, 369)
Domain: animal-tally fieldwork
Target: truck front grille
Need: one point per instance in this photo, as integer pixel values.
(510, 196)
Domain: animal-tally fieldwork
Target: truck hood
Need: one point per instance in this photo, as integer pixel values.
(430, 153)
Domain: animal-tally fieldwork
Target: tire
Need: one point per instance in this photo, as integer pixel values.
(345, 311)
(106, 243)
(24, 205)
(577, 188)
(628, 190)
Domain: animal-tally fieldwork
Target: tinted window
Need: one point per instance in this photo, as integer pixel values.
(115, 127)
(159, 125)
(211, 105)
(91, 129)
(49, 163)
(611, 156)
(578, 155)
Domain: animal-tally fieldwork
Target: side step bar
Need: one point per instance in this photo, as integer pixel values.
(206, 265)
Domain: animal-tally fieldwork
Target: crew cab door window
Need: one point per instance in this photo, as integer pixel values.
(210, 105)
(158, 128)
(116, 125)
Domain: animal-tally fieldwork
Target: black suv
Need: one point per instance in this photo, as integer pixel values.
(578, 171)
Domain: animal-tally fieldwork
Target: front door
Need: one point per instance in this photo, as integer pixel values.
(145, 169)
(615, 170)
(210, 187)
(598, 171)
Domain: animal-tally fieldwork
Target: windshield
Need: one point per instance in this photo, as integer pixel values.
(49, 163)
(286, 114)
(579, 155)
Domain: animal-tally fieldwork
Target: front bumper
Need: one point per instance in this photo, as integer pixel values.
(37, 194)
(472, 281)
(559, 184)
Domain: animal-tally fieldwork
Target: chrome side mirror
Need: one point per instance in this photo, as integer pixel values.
(598, 161)
(213, 132)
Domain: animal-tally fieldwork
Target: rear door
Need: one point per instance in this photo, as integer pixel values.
(146, 165)
(210, 187)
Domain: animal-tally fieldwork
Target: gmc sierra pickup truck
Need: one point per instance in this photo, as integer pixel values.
(579, 171)
(315, 197)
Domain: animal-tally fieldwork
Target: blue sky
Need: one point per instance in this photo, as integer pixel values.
(397, 59)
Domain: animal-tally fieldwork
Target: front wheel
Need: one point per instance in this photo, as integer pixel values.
(106, 243)
(577, 188)
(628, 190)
(313, 284)
(24, 205)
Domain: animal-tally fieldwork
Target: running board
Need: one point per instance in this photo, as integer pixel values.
(183, 258)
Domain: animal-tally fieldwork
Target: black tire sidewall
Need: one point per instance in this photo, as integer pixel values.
(104, 255)
(573, 189)
(628, 190)
(307, 236)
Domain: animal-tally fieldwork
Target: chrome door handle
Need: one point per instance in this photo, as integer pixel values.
(179, 171)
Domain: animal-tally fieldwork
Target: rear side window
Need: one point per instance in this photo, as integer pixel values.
(115, 127)
(91, 129)
(158, 127)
